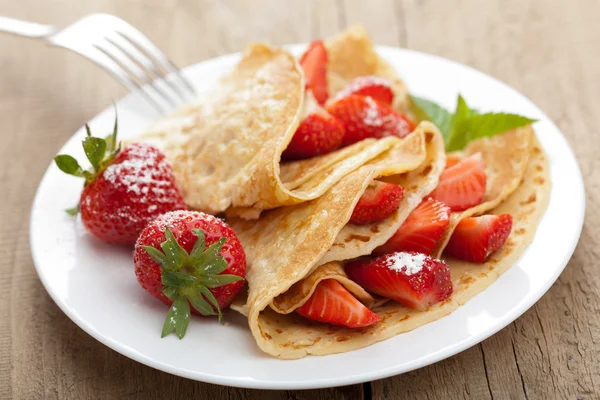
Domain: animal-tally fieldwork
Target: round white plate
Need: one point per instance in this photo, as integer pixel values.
(94, 283)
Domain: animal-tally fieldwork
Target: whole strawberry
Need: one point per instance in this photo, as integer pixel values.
(125, 189)
(189, 258)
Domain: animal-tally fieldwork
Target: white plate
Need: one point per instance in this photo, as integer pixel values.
(94, 283)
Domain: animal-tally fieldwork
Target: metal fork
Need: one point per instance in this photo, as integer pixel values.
(121, 50)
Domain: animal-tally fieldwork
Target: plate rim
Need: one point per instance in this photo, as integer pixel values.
(252, 383)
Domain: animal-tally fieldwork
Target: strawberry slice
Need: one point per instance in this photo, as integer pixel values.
(421, 231)
(475, 238)
(378, 202)
(314, 65)
(412, 279)
(333, 304)
(373, 86)
(462, 185)
(364, 117)
(451, 161)
(318, 133)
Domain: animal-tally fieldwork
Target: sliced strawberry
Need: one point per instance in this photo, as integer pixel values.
(333, 304)
(412, 279)
(378, 202)
(475, 238)
(314, 65)
(451, 161)
(462, 185)
(421, 231)
(363, 118)
(318, 133)
(373, 86)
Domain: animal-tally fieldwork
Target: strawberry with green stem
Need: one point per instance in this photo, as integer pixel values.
(188, 258)
(125, 188)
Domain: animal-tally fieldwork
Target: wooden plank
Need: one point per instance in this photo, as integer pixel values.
(547, 52)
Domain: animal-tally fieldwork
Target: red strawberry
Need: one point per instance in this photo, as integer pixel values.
(314, 65)
(333, 304)
(124, 190)
(475, 238)
(451, 161)
(378, 202)
(462, 185)
(412, 279)
(189, 258)
(373, 86)
(318, 133)
(363, 118)
(421, 231)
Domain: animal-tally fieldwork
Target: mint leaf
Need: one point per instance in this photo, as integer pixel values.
(178, 318)
(69, 165)
(484, 125)
(461, 113)
(94, 149)
(428, 110)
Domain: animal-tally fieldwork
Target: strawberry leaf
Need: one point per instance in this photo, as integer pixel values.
(95, 149)
(156, 255)
(484, 125)
(210, 261)
(212, 299)
(199, 303)
(69, 165)
(73, 211)
(213, 281)
(177, 279)
(200, 244)
(175, 254)
(178, 318)
(171, 292)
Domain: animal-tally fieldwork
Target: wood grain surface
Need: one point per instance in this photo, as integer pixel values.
(547, 50)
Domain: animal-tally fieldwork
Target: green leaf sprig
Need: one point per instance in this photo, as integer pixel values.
(99, 151)
(188, 277)
(465, 124)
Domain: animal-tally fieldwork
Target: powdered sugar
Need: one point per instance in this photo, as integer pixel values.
(360, 83)
(408, 263)
(141, 172)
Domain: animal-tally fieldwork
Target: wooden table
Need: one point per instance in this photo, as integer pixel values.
(547, 50)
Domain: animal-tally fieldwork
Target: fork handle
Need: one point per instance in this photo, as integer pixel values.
(25, 28)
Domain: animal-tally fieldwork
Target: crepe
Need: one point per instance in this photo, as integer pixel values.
(286, 245)
(505, 157)
(226, 149)
(280, 278)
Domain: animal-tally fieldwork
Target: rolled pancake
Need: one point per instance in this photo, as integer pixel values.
(284, 246)
(505, 157)
(285, 334)
(226, 149)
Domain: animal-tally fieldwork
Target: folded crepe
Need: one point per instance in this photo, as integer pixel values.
(226, 153)
(291, 249)
(226, 149)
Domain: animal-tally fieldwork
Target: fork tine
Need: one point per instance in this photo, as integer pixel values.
(136, 72)
(126, 77)
(146, 65)
(145, 46)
